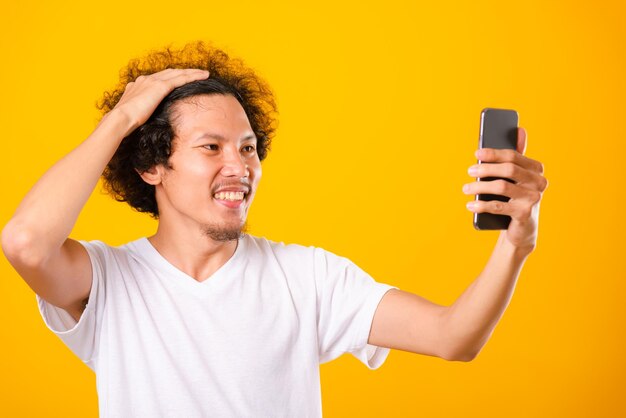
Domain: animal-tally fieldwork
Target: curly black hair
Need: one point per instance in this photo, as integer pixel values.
(151, 143)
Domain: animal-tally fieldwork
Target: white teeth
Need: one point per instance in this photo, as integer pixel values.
(229, 195)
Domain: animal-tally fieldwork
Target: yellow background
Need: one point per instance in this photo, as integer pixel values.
(379, 105)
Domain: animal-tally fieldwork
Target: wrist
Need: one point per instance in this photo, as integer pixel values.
(120, 122)
(519, 252)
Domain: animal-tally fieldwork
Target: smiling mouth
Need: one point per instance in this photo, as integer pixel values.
(231, 200)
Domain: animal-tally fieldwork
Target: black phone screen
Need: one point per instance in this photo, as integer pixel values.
(498, 129)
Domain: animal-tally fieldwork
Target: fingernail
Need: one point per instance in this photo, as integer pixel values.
(473, 170)
(466, 188)
(471, 205)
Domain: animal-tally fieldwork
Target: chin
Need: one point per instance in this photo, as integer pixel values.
(223, 232)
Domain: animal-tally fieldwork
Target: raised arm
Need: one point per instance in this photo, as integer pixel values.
(458, 332)
(35, 240)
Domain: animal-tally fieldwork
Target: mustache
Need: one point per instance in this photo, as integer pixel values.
(236, 184)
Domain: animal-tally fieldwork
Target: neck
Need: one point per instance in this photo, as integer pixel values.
(196, 255)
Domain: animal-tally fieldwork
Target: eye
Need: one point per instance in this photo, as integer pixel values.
(211, 147)
(249, 148)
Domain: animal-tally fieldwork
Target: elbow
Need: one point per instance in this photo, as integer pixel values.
(461, 346)
(467, 357)
(461, 354)
(462, 357)
(19, 246)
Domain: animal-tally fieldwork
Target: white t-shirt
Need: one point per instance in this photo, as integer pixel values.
(247, 342)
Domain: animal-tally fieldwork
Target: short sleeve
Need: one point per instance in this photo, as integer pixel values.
(81, 337)
(347, 301)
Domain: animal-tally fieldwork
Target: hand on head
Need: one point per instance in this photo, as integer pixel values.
(142, 96)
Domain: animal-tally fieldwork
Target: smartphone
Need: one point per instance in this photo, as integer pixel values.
(498, 129)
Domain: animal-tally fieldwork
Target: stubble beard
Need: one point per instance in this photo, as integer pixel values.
(223, 232)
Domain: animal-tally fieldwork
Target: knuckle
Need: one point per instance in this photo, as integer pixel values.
(497, 206)
(540, 168)
(535, 196)
(544, 183)
(501, 186)
(510, 170)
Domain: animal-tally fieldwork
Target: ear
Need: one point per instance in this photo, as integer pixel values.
(152, 176)
(521, 140)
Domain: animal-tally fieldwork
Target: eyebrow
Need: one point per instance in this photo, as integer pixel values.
(219, 137)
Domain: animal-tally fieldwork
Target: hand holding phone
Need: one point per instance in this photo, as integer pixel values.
(514, 182)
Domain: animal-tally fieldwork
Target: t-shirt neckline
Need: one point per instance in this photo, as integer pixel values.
(147, 251)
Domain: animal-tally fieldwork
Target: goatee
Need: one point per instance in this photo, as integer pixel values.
(225, 232)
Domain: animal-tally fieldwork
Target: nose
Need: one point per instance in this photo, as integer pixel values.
(234, 164)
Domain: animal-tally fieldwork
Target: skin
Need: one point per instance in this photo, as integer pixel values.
(58, 268)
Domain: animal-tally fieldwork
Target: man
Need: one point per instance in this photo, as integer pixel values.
(204, 320)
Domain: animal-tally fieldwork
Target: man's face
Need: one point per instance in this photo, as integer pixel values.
(214, 168)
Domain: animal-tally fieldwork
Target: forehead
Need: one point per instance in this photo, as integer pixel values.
(215, 113)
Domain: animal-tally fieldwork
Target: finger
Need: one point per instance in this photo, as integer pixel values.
(522, 140)
(494, 206)
(503, 188)
(169, 80)
(521, 176)
(163, 72)
(168, 73)
(516, 209)
(492, 155)
(190, 74)
(498, 187)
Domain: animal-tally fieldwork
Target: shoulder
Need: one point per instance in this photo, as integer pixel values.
(294, 253)
(104, 254)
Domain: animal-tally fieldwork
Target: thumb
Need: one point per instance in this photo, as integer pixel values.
(521, 140)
